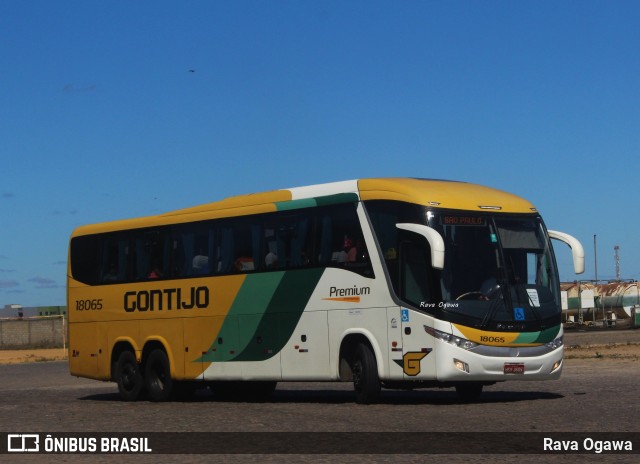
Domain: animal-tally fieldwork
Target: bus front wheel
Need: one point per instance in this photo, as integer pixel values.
(157, 376)
(366, 382)
(128, 376)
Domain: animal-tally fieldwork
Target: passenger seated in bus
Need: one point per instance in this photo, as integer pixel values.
(355, 253)
(271, 259)
(200, 263)
(342, 256)
(155, 273)
(112, 275)
(243, 264)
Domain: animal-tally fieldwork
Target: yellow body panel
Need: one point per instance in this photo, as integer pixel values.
(185, 333)
(443, 194)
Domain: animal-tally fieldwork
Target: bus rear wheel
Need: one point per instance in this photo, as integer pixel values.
(128, 376)
(157, 376)
(366, 382)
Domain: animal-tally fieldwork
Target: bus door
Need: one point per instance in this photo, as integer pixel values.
(415, 287)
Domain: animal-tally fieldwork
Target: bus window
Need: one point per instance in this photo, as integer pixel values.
(152, 253)
(292, 242)
(192, 250)
(341, 240)
(114, 258)
(84, 253)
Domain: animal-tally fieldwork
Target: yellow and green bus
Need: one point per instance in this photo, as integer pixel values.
(396, 283)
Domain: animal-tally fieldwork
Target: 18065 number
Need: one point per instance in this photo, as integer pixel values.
(89, 305)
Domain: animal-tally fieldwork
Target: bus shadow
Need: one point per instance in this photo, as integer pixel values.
(318, 396)
(396, 397)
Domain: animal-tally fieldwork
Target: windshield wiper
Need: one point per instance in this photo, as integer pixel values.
(493, 305)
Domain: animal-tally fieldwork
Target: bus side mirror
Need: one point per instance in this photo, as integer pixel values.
(433, 237)
(576, 249)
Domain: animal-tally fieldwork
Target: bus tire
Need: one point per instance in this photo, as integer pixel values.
(366, 382)
(128, 376)
(157, 376)
(469, 392)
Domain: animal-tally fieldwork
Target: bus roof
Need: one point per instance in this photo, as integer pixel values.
(443, 194)
(427, 192)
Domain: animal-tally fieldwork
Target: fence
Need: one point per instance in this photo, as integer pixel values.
(36, 332)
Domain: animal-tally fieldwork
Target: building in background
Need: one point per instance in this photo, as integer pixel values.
(15, 310)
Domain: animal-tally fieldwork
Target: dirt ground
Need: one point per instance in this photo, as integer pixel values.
(612, 350)
(25, 356)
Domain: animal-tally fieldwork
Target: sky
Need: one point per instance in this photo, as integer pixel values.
(112, 110)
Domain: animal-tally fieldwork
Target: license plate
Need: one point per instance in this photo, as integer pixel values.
(514, 368)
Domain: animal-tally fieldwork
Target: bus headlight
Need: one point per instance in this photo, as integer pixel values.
(557, 343)
(451, 339)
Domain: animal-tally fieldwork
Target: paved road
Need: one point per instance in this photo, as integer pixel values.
(593, 396)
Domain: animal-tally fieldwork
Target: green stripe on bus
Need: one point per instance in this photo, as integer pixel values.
(282, 315)
(337, 199)
(296, 204)
(317, 201)
(243, 317)
(263, 315)
(545, 336)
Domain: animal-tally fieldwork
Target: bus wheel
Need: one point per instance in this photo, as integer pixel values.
(128, 376)
(157, 376)
(366, 382)
(469, 391)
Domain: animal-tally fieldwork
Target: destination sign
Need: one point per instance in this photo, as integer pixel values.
(463, 221)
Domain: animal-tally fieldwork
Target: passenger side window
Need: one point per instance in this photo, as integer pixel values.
(193, 250)
(341, 240)
(115, 259)
(152, 255)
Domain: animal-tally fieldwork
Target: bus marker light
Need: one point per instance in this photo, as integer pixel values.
(556, 365)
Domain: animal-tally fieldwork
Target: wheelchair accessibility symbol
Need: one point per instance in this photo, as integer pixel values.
(405, 315)
(518, 314)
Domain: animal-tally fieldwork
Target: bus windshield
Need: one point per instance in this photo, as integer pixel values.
(498, 270)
